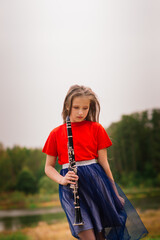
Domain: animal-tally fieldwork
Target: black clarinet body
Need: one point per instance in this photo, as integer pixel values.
(73, 167)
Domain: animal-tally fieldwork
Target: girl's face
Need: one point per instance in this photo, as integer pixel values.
(79, 109)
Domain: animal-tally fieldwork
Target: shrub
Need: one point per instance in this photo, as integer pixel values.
(14, 236)
(47, 185)
(26, 181)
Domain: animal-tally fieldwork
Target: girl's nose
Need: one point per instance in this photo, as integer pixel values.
(80, 111)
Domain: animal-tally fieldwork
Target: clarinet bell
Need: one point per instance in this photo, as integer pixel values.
(78, 218)
(78, 224)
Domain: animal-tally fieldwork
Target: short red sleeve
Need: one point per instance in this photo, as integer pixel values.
(103, 138)
(50, 147)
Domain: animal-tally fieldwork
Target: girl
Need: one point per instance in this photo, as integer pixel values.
(106, 212)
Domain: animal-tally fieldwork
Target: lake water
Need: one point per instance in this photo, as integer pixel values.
(17, 219)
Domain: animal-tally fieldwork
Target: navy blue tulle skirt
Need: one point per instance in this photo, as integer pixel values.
(100, 207)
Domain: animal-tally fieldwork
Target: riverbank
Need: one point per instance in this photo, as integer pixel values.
(57, 226)
(19, 200)
(60, 229)
(26, 212)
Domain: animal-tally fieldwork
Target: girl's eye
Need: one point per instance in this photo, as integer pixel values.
(76, 107)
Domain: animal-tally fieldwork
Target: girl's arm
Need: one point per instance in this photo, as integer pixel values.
(52, 173)
(103, 161)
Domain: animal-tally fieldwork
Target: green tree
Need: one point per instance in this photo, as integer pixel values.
(6, 181)
(135, 153)
(155, 121)
(46, 185)
(26, 181)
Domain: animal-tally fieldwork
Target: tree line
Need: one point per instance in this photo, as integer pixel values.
(135, 154)
(22, 169)
(134, 157)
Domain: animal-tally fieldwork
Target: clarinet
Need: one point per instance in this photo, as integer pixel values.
(72, 167)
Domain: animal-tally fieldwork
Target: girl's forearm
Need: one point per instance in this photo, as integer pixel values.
(108, 172)
(52, 173)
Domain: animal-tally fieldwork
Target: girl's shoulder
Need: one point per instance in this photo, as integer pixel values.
(84, 124)
(95, 124)
(58, 128)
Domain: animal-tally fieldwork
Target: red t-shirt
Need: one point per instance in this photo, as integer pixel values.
(88, 138)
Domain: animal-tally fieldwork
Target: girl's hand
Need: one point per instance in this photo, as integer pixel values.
(70, 177)
(121, 200)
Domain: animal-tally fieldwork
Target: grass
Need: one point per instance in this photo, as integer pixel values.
(15, 236)
(56, 231)
(19, 200)
(157, 238)
(151, 219)
(59, 229)
(141, 190)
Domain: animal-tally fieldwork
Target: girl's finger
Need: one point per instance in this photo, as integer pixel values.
(71, 173)
(72, 178)
(71, 182)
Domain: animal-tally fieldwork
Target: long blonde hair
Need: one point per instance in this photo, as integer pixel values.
(77, 91)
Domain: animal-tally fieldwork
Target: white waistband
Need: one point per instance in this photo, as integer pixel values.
(80, 163)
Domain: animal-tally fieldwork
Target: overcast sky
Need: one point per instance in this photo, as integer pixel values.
(112, 46)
